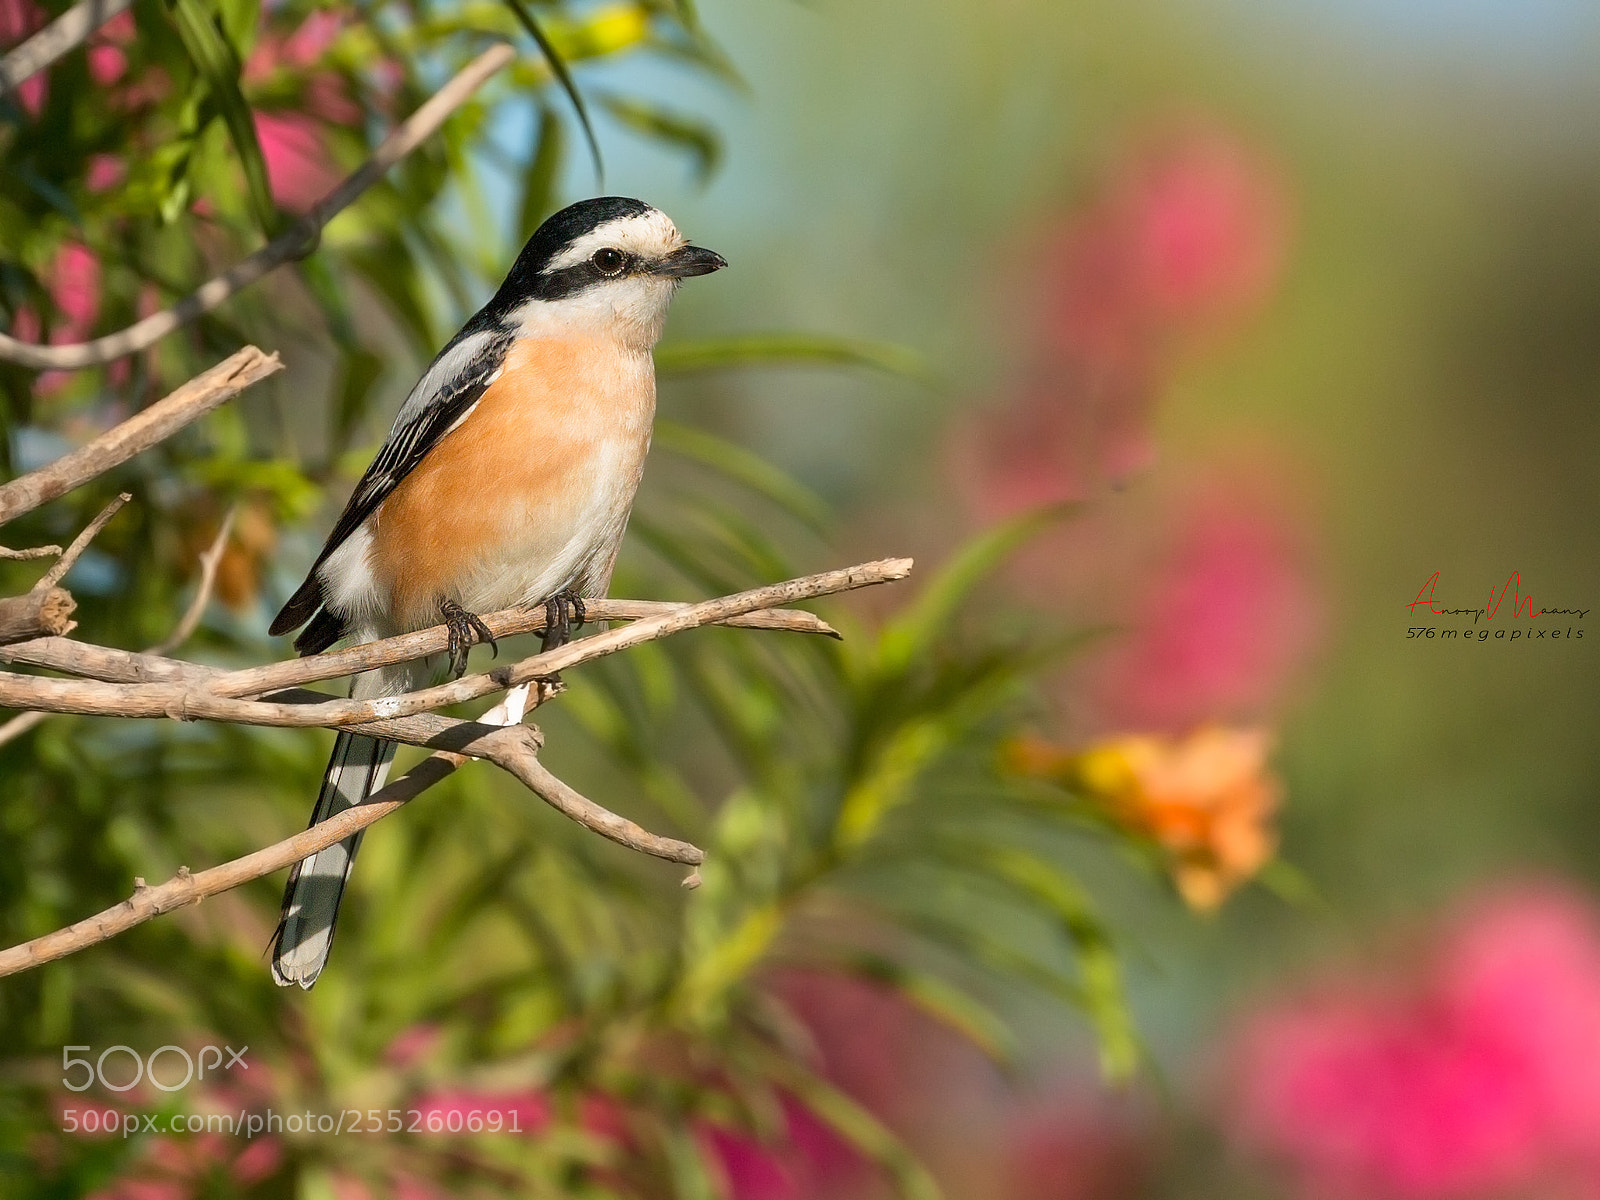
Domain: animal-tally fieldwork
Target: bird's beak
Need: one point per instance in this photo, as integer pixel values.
(687, 261)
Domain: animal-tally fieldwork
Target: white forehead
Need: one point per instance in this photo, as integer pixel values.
(649, 235)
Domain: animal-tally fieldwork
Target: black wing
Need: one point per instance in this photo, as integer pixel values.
(408, 444)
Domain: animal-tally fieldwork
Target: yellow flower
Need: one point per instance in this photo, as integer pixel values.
(1207, 799)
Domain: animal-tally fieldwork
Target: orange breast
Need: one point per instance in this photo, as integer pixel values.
(522, 464)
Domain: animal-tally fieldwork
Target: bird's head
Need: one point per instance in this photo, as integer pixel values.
(607, 267)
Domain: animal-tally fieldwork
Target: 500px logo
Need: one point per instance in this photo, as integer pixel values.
(194, 1067)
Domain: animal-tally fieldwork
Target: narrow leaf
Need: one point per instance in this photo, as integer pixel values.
(792, 349)
(914, 631)
(218, 65)
(698, 139)
(869, 1136)
(538, 192)
(942, 1001)
(744, 467)
(564, 77)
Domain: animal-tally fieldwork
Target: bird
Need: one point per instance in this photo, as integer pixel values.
(507, 479)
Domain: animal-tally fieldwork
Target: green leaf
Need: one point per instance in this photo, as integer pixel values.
(792, 349)
(869, 1136)
(1051, 888)
(914, 632)
(942, 1001)
(361, 370)
(734, 462)
(218, 65)
(564, 77)
(698, 139)
(538, 192)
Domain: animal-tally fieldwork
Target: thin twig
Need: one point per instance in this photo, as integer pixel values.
(138, 433)
(514, 747)
(301, 239)
(126, 666)
(184, 888)
(210, 560)
(21, 724)
(55, 39)
(207, 701)
(31, 552)
(80, 543)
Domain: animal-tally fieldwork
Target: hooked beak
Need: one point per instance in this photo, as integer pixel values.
(687, 261)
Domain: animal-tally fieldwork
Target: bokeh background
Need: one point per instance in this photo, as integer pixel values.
(1293, 304)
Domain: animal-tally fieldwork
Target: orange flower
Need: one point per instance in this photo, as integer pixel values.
(1206, 799)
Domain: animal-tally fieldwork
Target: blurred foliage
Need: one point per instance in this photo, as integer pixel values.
(850, 796)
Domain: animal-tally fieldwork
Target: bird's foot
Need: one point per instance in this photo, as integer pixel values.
(465, 629)
(563, 613)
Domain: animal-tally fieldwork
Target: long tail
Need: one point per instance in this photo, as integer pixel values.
(358, 768)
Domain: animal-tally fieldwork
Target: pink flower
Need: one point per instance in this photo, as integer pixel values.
(299, 168)
(1187, 232)
(105, 172)
(20, 19)
(413, 1045)
(1227, 617)
(753, 1171)
(1206, 226)
(1478, 1074)
(73, 280)
(460, 1111)
(106, 64)
(807, 1160)
(1074, 1152)
(75, 287)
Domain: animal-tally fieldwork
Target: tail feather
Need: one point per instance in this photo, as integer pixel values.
(316, 884)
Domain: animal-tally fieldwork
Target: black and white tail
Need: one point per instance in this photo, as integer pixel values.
(316, 884)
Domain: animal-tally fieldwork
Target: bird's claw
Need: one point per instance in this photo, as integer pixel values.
(465, 628)
(562, 613)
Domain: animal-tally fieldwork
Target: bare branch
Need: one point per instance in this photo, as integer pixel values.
(56, 39)
(184, 888)
(31, 552)
(301, 239)
(334, 664)
(81, 543)
(125, 666)
(209, 561)
(42, 612)
(210, 701)
(138, 433)
(21, 724)
(515, 748)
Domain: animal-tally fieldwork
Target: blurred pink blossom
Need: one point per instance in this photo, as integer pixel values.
(299, 168)
(106, 64)
(1074, 1151)
(1230, 614)
(414, 1044)
(18, 20)
(178, 1167)
(1185, 234)
(73, 280)
(105, 171)
(1477, 1073)
(451, 1110)
(75, 287)
(807, 1161)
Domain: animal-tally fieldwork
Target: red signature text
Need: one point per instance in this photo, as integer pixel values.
(1521, 606)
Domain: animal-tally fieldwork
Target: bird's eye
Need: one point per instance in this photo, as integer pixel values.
(609, 261)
